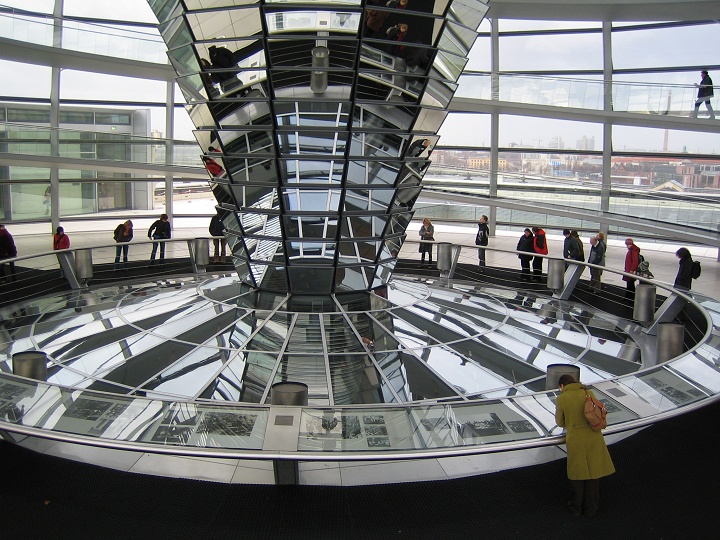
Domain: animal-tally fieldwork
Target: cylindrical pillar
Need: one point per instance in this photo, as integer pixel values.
(555, 371)
(644, 307)
(319, 79)
(289, 393)
(556, 274)
(83, 264)
(444, 256)
(670, 341)
(30, 364)
(202, 252)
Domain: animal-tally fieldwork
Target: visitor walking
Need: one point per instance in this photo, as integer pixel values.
(705, 95)
(683, 280)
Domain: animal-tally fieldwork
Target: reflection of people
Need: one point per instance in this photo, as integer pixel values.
(683, 280)
(220, 244)
(525, 244)
(427, 232)
(588, 458)
(7, 251)
(705, 94)
(123, 233)
(397, 33)
(159, 230)
(418, 147)
(597, 256)
(221, 57)
(47, 200)
(212, 166)
(632, 260)
(481, 239)
(61, 241)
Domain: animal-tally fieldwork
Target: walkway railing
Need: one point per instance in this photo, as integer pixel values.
(133, 42)
(584, 93)
(661, 388)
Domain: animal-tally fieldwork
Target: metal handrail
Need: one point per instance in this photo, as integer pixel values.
(546, 439)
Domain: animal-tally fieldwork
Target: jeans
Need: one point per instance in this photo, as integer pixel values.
(124, 251)
(481, 256)
(154, 251)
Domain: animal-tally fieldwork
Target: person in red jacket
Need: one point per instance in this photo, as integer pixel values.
(540, 247)
(632, 259)
(61, 241)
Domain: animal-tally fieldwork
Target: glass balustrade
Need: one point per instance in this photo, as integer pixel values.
(210, 330)
(583, 93)
(34, 140)
(104, 39)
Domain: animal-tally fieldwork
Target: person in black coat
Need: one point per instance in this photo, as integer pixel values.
(217, 228)
(705, 94)
(571, 248)
(7, 251)
(683, 280)
(159, 230)
(526, 244)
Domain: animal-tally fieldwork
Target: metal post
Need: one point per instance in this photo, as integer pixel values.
(83, 266)
(200, 254)
(644, 306)
(30, 364)
(289, 393)
(444, 256)
(319, 75)
(284, 428)
(670, 341)
(556, 274)
(555, 371)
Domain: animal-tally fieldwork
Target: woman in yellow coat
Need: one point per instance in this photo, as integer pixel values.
(588, 458)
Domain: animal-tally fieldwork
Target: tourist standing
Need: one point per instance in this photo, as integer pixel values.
(525, 244)
(588, 458)
(597, 256)
(7, 251)
(61, 241)
(427, 233)
(683, 280)
(217, 229)
(481, 239)
(632, 260)
(540, 247)
(159, 230)
(123, 233)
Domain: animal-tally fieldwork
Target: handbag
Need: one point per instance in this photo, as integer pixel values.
(595, 412)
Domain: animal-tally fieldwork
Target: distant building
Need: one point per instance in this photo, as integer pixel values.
(556, 143)
(585, 143)
(485, 164)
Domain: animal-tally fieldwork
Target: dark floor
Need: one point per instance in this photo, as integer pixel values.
(666, 487)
